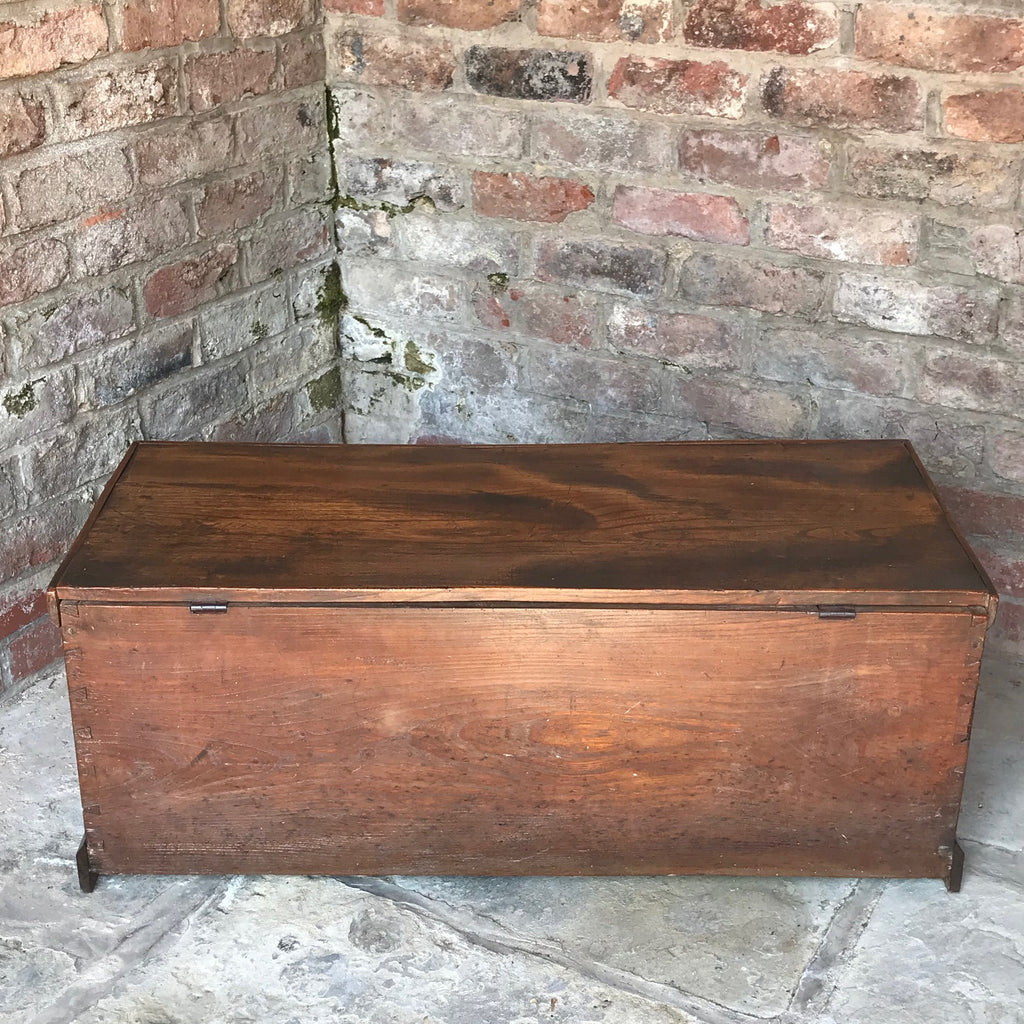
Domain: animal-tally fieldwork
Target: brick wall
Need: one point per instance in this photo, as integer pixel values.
(163, 240)
(629, 219)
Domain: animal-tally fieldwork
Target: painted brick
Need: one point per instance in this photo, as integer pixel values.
(398, 182)
(483, 248)
(705, 218)
(400, 291)
(727, 409)
(59, 37)
(22, 123)
(601, 143)
(921, 37)
(249, 18)
(183, 411)
(118, 373)
(286, 127)
(961, 380)
(608, 21)
(31, 268)
(719, 281)
(159, 23)
(563, 75)
(602, 265)
(216, 78)
(1008, 456)
(371, 8)
(986, 116)
(465, 14)
(300, 237)
(44, 402)
(843, 99)
(356, 56)
(303, 60)
(227, 328)
(453, 125)
(792, 26)
(75, 324)
(117, 238)
(34, 649)
(907, 307)
(522, 197)
(601, 382)
(70, 184)
(985, 513)
(19, 607)
(758, 160)
(190, 151)
(684, 339)
(948, 176)
(551, 316)
(236, 203)
(678, 86)
(118, 98)
(998, 251)
(884, 238)
(188, 283)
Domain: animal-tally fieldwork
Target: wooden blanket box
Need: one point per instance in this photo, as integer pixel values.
(743, 657)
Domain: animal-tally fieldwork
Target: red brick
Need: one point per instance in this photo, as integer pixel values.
(465, 14)
(998, 251)
(372, 8)
(792, 26)
(1008, 457)
(717, 281)
(116, 238)
(303, 60)
(189, 283)
(705, 218)
(843, 99)
(986, 116)
(639, 21)
(678, 86)
(757, 160)
(553, 316)
(521, 197)
(231, 205)
(249, 18)
(921, 37)
(355, 56)
(189, 151)
(20, 607)
(31, 268)
(685, 339)
(216, 78)
(985, 513)
(22, 123)
(885, 238)
(159, 23)
(60, 37)
(119, 98)
(34, 649)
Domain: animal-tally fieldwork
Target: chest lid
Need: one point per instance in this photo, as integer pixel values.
(732, 523)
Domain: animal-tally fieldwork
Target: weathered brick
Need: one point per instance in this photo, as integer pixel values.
(356, 56)
(41, 536)
(1008, 456)
(159, 23)
(303, 60)
(907, 307)
(706, 218)
(921, 37)
(552, 316)
(602, 143)
(485, 248)
(564, 75)
(364, 232)
(684, 339)
(70, 184)
(59, 37)
(1004, 566)
(76, 323)
(402, 292)
(244, 322)
(523, 197)
(951, 177)
(292, 359)
(471, 363)
(34, 648)
(638, 21)
(118, 98)
(398, 182)
(236, 203)
(727, 409)
(1007, 632)
(1011, 324)
(371, 8)
(718, 281)
(115, 238)
(309, 179)
(961, 380)
(986, 115)
(464, 14)
(31, 268)
(270, 422)
(998, 251)
(829, 361)
(20, 605)
(31, 407)
(362, 119)
(759, 160)
(10, 487)
(678, 86)
(216, 78)
(287, 242)
(453, 125)
(183, 411)
(792, 26)
(601, 382)
(886, 238)
(289, 126)
(190, 151)
(599, 264)
(118, 373)
(22, 123)
(985, 513)
(843, 99)
(188, 283)
(249, 18)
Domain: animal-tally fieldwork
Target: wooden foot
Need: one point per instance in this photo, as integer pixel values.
(87, 878)
(955, 875)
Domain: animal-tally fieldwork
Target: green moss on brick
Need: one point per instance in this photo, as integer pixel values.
(331, 300)
(325, 391)
(414, 360)
(21, 403)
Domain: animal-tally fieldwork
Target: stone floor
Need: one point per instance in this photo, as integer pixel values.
(484, 951)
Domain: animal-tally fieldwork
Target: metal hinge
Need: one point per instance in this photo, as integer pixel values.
(200, 609)
(836, 611)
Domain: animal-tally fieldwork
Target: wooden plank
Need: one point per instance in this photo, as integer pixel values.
(382, 740)
(798, 521)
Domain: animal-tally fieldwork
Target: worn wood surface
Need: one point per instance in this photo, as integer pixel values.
(712, 523)
(380, 740)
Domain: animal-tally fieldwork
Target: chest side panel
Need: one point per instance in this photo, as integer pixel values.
(394, 740)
